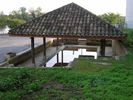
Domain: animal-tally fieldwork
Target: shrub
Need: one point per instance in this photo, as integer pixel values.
(32, 87)
(15, 82)
(11, 95)
(128, 41)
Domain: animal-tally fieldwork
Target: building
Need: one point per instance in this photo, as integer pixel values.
(129, 13)
(70, 22)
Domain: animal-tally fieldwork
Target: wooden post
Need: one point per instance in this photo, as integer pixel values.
(32, 51)
(62, 53)
(44, 51)
(57, 50)
(62, 40)
(62, 57)
(102, 47)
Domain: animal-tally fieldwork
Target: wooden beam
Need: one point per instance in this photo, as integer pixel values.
(44, 51)
(57, 50)
(62, 58)
(57, 58)
(32, 51)
(62, 52)
(102, 47)
(117, 37)
(62, 40)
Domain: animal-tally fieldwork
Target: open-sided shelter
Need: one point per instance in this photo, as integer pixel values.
(69, 21)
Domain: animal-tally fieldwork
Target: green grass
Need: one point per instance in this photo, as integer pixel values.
(128, 41)
(89, 65)
(86, 80)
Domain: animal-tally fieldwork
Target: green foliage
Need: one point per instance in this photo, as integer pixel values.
(10, 95)
(9, 21)
(25, 15)
(114, 19)
(18, 17)
(30, 88)
(12, 83)
(82, 64)
(114, 82)
(21, 14)
(128, 41)
(2, 20)
(12, 23)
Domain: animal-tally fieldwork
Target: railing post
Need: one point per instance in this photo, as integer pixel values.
(32, 51)
(57, 50)
(102, 47)
(44, 51)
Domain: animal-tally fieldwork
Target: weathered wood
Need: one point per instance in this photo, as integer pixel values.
(44, 51)
(57, 50)
(91, 36)
(62, 40)
(62, 52)
(102, 47)
(32, 50)
(62, 57)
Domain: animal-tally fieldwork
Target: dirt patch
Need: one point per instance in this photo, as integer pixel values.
(53, 84)
(54, 90)
(62, 91)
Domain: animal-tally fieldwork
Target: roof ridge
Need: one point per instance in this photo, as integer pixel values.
(70, 19)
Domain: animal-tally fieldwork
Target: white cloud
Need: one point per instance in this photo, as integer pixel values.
(95, 6)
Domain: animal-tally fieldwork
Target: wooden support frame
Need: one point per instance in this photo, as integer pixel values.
(62, 58)
(121, 37)
(62, 53)
(102, 47)
(32, 51)
(57, 50)
(44, 51)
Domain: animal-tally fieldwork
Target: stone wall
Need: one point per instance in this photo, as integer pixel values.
(25, 55)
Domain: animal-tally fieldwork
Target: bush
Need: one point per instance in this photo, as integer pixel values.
(33, 87)
(10, 95)
(15, 82)
(128, 41)
(12, 23)
(7, 84)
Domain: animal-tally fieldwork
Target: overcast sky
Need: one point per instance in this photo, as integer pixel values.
(95, 6)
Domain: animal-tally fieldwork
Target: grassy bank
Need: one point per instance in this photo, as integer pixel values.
(86, 80)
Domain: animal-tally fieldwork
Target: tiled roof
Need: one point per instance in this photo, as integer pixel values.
(68, 21)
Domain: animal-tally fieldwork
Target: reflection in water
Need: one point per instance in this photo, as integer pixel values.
(69, 55)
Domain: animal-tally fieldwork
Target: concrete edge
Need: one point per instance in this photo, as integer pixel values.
(3, 64)
(25, 55)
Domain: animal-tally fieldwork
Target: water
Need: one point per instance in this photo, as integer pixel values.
(69, 55)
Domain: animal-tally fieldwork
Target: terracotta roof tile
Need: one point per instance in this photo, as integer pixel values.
(69, 20)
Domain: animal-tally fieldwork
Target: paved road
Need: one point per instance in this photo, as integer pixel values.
(14, 44)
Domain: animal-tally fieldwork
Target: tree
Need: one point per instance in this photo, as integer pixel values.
(14, 22)
(2, 20)
(35, 12)
(15, 14)
(114, 19)
(20, 14)
(18, 17)
(24, 14)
